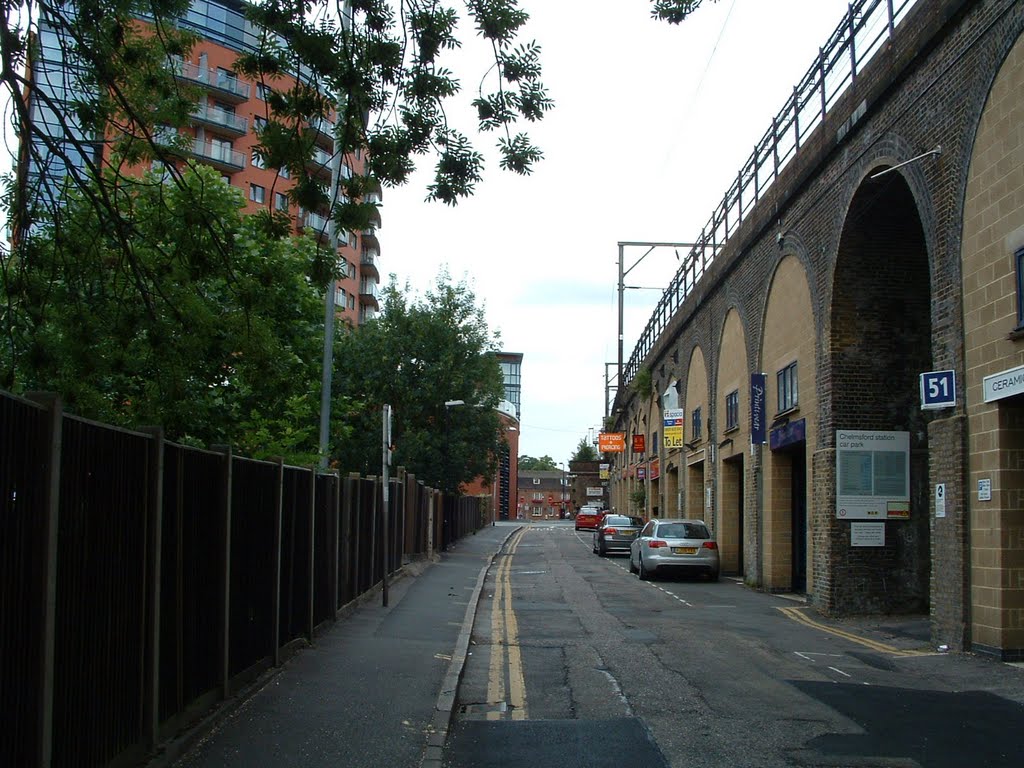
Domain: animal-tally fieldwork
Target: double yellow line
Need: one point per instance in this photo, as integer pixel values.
(505, 642)
(796, 614)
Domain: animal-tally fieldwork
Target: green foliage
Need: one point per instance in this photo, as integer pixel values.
(638, 499)
(585, 451)
(543, 464)
(417, 355)
(642, 383)
(207, 326)
(674, 11)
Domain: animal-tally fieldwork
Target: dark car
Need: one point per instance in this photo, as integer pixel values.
(616, 533)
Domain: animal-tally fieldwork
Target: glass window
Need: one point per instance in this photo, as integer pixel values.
(695, 424)
(684, 531)
(281, 201)
(257, 193)
(732, 410)
(787, 387)
(257, 160)
(1019, 261)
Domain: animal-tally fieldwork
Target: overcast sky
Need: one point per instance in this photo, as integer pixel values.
(651, 123)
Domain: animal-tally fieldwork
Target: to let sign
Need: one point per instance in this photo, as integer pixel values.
(938, 389)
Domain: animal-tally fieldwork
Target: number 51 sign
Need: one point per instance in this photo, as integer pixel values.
(938, 389)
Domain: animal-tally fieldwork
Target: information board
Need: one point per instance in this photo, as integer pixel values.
(872, 475)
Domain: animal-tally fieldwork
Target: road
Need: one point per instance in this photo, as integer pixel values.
(575, 662)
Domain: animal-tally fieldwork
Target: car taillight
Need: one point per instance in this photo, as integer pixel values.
(709, 545)
(655, 543)
(610, 531)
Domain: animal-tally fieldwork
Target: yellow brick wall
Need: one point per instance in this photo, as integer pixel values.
(993, 229)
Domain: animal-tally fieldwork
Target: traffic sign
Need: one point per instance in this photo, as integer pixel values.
(938, 389)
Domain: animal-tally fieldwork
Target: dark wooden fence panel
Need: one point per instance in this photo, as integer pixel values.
(101, 610)
(24, 452)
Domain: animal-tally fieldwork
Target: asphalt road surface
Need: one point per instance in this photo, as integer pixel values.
(575, 662)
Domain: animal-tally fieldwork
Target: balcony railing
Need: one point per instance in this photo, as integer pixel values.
(219, 118)
(219, 155)
(865, 29)
(213, 78)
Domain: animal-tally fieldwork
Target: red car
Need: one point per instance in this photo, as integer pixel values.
(589, 517)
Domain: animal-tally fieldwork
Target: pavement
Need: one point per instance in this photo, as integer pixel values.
(376, 688)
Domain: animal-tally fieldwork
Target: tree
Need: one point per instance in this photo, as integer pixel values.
(674, 11)
(229, 354)
(418, 355)
(584, 451)
(543, 464)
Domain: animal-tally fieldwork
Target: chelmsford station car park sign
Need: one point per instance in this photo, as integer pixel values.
(872, 475)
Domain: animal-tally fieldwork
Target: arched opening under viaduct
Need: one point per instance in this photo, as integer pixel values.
(881, 340)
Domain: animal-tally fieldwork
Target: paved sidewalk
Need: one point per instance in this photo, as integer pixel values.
(375, 688)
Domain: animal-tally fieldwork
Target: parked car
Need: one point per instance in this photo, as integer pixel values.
(589, 517)
(616, 533)
(674, 546)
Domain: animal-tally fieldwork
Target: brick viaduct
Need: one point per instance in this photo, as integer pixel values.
(842, 286)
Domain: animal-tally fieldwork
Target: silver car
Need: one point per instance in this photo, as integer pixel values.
(674, 546)
(615, 533)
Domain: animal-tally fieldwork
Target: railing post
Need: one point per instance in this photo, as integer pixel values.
(51, 506)
(154, 543)
(853, 45)
(821, 75)
(225, 586)
(796, 116)
(892, 19)
(775, 145)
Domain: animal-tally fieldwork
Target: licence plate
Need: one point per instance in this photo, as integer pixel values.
(684, 550)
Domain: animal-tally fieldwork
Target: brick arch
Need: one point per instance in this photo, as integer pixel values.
(734, 520)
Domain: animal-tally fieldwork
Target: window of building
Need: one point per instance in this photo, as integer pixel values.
(340, 299)
(351, 301)
(787, 387)
(281, 201)
(257, 160)
(696, 424)
(257, 193)
(259, 123)
(1019, 261)
(732, 410)
(263, 91)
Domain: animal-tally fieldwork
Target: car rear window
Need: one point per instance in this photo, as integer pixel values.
(684, 531)
(619, 520)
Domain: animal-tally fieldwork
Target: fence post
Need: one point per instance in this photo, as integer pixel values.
(225, 660)
(53, 406)
(334, 516)
(275, 619)
(154, 543)
(311, 543)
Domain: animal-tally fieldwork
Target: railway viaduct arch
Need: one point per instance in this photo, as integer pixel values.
(871, 259)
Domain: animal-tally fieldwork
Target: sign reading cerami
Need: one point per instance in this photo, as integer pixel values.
(1005, 384)
(872, 475)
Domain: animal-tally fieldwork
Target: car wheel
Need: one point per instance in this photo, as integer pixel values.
(643, 573)
(601, 551)
(713, 576)
(577, 527)
(594, 548)
(632, 568)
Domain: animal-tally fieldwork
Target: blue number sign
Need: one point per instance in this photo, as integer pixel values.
(938, 389)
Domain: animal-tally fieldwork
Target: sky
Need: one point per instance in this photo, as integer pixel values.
(651, 123)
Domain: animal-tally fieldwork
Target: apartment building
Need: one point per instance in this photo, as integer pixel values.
(223, 133)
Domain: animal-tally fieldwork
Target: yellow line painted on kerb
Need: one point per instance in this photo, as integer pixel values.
(796, 614)
(505, 636)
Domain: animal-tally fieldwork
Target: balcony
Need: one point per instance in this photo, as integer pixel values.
(369, 293)
(318, 226)
(228, 87)
(220, 156)
(368, 262)
(219, 121)
(323, 130)
(370, 239)
(320, 163)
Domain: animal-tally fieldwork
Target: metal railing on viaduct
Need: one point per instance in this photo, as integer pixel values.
(142, 582)
(865, 29)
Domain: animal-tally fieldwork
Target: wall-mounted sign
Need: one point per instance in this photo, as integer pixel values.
(604, 470)
(639, 444)
(867, 534)
(872, 475)
(611, 442)
(793, 433)
(673, 421)
(595, 492)
(1005, 384)
(940, 500)
(938, 389)
(655, 469)
(985, 490)
(641, 473)
(758, 425)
